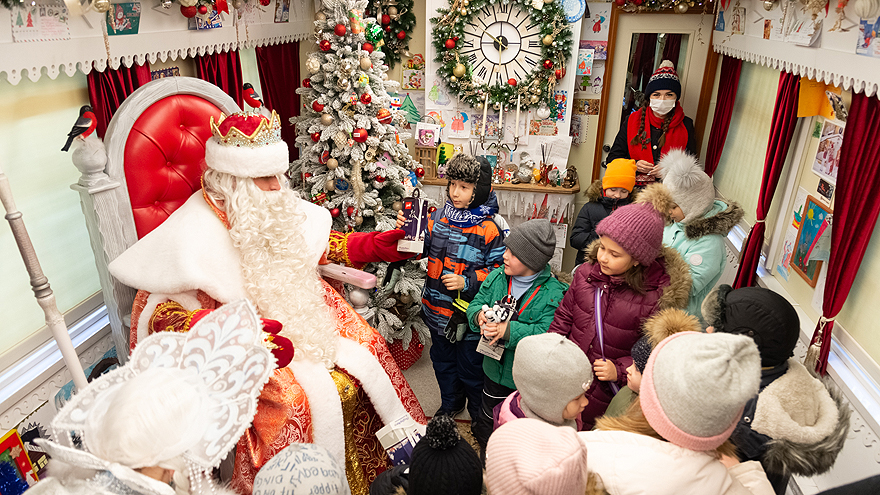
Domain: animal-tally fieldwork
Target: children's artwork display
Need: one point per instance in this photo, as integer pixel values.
(599, 47)
(585, 62)
(791, 232)
(815, 220)
(867, 43)
(413, 76)
(826, 190)
(211, 21)
(596, 26)
(282, 10)
(123, 18)
(460, 127)
(827, 159)
(40, 22)
(163, 73)
(490, 127)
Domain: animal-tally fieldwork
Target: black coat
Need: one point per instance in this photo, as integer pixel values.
(620, 148)
(599, 207)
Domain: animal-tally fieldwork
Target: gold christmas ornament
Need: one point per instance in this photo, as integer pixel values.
(343, 83)
(320, 16)
(548, 40)
(236, 4)
(463, 11)
(366, 63)
(397, 206)
(391, 11)
(358, 220)
(101, 6)
(533, 99)
(681, 7)
(313, 65)
(453, 79)
(379, 208)
(771, 4)
(326, 119)
(405, 298)
(497, 106)
(329, 186)
(458, 70)
(465, 3)
(548, 1)
(332, 163)
(384, 76)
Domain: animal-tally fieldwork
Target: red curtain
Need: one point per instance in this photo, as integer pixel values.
(672, 48)
(727, 85)
(108, 89)
(279, 75)
(643, 60)
(856, 207)
(781, 133)
(222, 69)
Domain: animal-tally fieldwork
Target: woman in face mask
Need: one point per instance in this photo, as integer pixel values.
(658, 127)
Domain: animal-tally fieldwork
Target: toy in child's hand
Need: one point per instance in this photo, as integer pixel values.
(501, 311)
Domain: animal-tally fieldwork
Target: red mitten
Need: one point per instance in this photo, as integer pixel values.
(281, 347)
(365, 247)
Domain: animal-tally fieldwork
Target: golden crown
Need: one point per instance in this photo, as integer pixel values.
(247, 129)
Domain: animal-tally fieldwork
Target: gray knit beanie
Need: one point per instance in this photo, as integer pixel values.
(691, 188)
(533, 243)
(695, 386)
(549, 372)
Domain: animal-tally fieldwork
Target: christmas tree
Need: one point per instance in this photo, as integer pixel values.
(351, 160)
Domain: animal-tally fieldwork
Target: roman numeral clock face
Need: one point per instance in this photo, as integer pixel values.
(501, 42)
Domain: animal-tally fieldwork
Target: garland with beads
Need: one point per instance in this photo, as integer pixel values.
(677, 6)
(398, 20)
(537, 88)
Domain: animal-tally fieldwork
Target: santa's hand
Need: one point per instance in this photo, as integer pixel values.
(452, 281)
(605, 370)
(400, 220)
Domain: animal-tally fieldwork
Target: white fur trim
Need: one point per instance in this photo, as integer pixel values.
(325, 407)
(360, 363)
(272, 159)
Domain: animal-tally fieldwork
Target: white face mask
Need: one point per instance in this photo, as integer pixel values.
(662, 107)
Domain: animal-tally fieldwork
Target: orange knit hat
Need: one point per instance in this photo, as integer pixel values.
(620, 173)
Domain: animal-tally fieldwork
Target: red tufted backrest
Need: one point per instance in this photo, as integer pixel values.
(165, 157)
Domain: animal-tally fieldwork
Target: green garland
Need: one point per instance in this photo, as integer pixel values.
(406, 22)
(537, 88)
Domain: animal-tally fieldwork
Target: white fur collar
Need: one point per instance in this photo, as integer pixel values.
(192, 250)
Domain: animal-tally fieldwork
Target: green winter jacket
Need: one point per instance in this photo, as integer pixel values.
(701, 244)
(535, 319)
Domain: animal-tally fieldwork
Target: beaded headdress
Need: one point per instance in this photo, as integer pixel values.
(247, 145)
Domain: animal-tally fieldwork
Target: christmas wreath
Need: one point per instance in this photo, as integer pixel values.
(398, 20)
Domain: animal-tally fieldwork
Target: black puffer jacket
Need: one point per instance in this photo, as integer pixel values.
(599, 207)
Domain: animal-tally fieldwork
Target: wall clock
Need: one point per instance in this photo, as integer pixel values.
(497, 51)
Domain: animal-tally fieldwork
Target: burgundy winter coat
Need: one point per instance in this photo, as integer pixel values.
(667, 285)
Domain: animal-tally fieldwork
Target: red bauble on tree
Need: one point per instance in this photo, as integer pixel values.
(307, 83)
(401, 35)
(366, 98)
(432, 209)
(548, 64)
(334, 212)
(339, 30)
(380, 179)
(359, 135)
(325, 155)
(316, 136)
(511, 81)
(384, 116)
(203, 9)
(368, 47)
(349, 211)
(325, 45)
(560, 73)
(265, 3)
(386, 19)
(450, 43)
(388, 28)
(620, 3)
(190, 11)
(317, 106)
(420, 172)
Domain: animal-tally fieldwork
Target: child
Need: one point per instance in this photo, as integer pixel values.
(795, 424)
(551, 374)
(701, 223)
(526, 277)
(656, 328)
(674, 439)
(463, 245)
(605, 195)
(631, 275)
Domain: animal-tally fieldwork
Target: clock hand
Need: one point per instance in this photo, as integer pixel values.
(500, 44)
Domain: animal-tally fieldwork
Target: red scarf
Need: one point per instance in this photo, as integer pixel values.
(676, 134)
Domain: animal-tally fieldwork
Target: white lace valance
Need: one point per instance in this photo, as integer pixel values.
(160, 36)
(831, 59)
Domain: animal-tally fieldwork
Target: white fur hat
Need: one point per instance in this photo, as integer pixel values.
(691, 188)
(247, 145)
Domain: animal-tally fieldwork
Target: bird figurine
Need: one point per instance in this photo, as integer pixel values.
(254, 100)
(83, 126)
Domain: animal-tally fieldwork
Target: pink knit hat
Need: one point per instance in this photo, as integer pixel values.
(529, 457)
(638, 227)
(696, 385)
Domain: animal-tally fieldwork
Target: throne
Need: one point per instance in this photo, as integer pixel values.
(155, 147)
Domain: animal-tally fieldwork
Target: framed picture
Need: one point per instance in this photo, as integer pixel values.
(828, 155)
(814, 220)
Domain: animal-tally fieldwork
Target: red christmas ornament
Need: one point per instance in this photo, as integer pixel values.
(325, 155)
(620, 3)
(388, 28)
(359, 135)
(317, 106)
(349, 210)
(339, 30)
(384, 116)
(325, 45)
(190, 11)
(420, 172)
(637, 2)
(265, 3)
(548, 64)
(432, 209)
(307, 83)
(401, 35)
(386, 19)
(455, 38)
(306, 175)
(368, 47)
(511, 81)
(203, 9)
(334, 212)
(316, 136)
(366, 98)
(450, 44)
(560, 73)
(380, 179)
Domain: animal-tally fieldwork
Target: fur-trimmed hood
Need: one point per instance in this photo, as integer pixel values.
(676, 294)
(594, 192)
(667, 322)
(806, 419)
(720, 219)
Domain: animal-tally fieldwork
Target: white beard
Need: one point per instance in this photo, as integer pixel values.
(267, 228)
